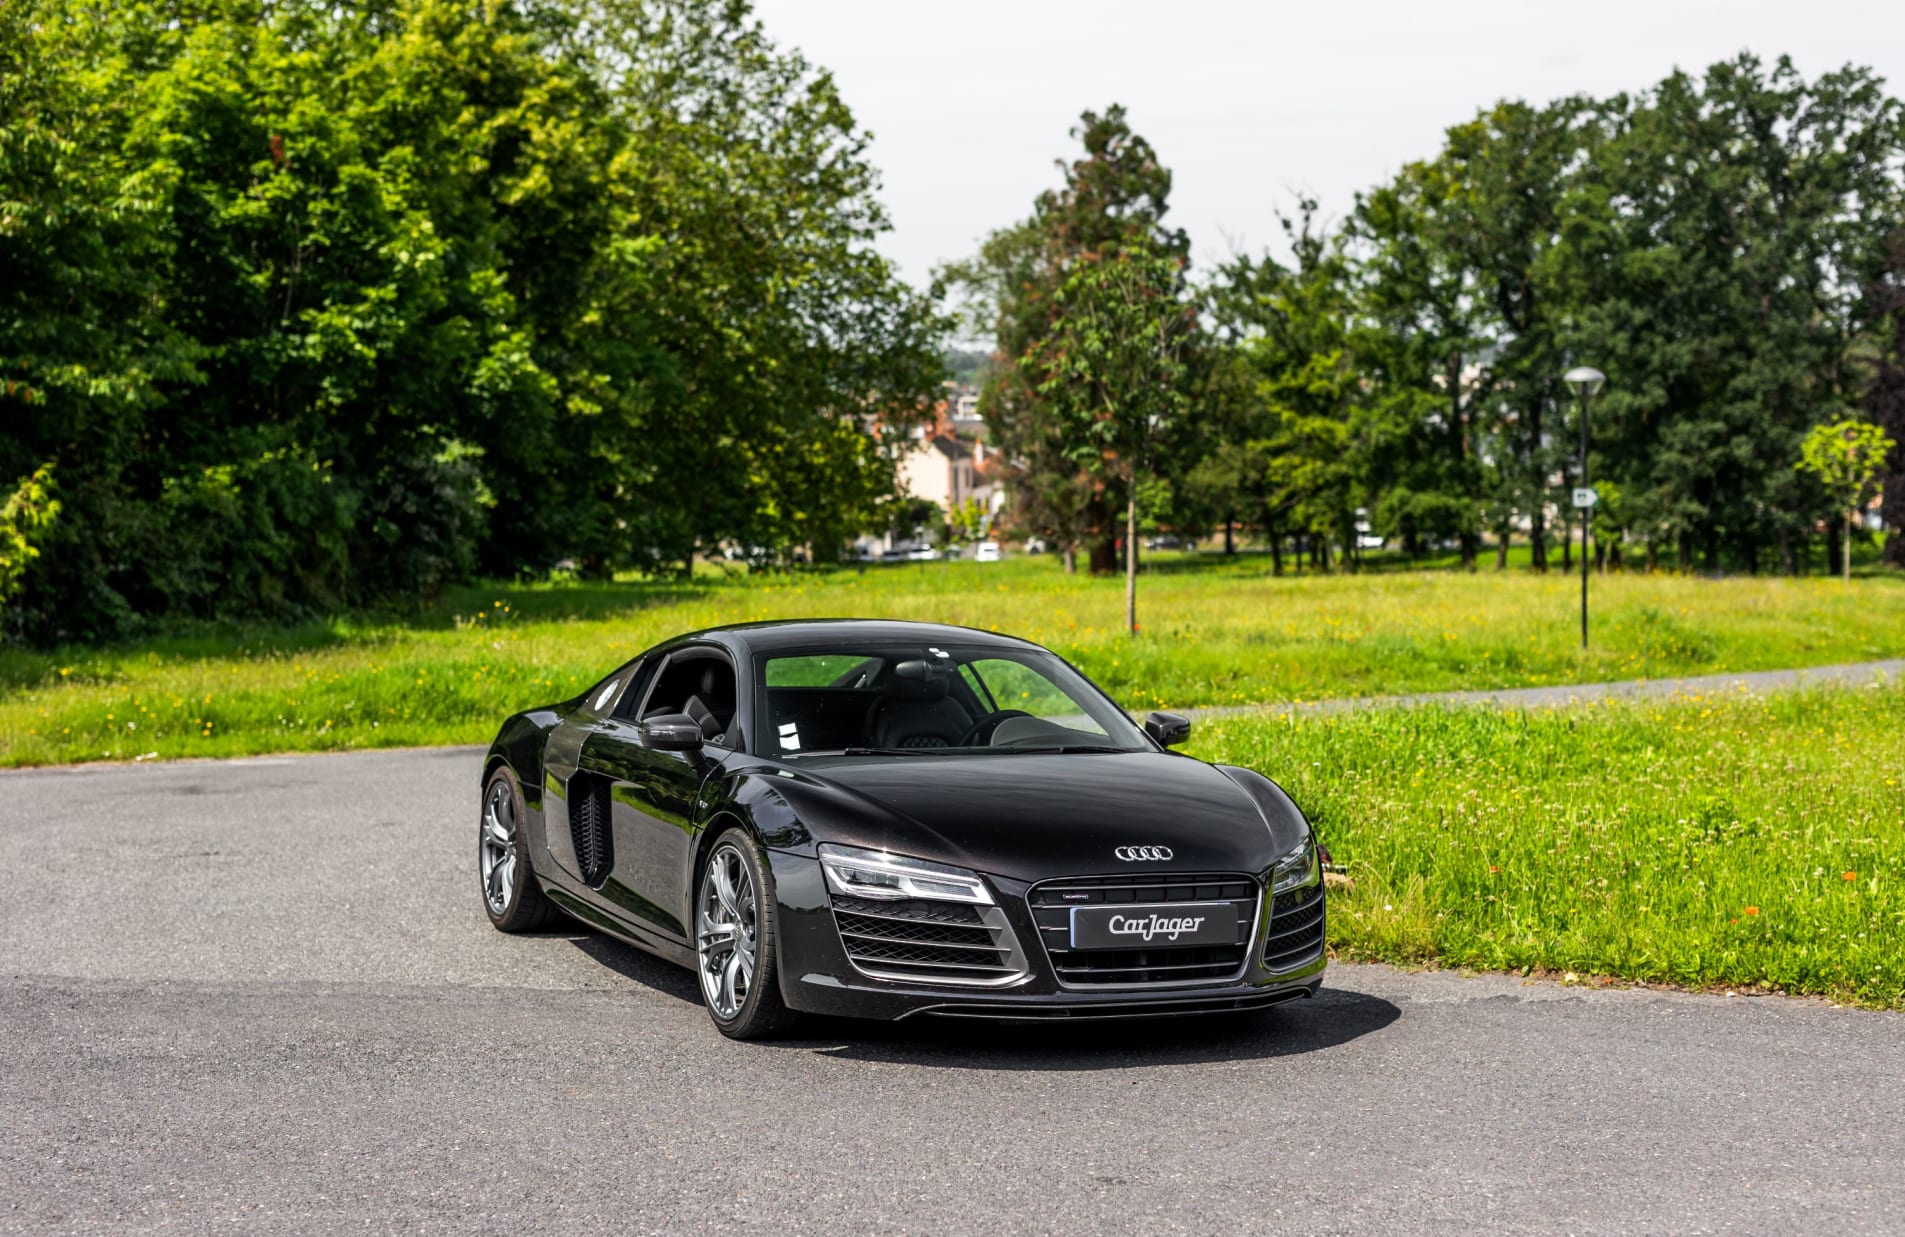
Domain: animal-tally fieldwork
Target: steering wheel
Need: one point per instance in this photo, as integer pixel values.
(987, 724)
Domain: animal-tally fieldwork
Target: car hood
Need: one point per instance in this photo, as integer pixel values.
(1035, 816)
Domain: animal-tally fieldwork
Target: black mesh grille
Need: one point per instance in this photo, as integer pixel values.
(589, 828)
(928, 940)
(1296, 929)
(1051, 905)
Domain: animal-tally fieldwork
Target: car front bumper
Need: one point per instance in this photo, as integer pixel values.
(816, 976)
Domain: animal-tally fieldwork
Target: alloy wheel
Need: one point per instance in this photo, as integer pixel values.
(499, 847)
(726, 926)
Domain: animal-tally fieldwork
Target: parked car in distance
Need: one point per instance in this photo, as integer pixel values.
(987, 552)
(1169, 541)
(890, 820)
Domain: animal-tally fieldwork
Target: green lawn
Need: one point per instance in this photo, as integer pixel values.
(1723, 841)
(1215, 632)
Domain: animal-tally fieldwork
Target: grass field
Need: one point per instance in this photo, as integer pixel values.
(1724, 841)
(1214, 632)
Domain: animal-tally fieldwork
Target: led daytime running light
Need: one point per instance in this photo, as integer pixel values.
(856, 873)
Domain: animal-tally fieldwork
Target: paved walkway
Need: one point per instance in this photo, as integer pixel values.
(1855, 674)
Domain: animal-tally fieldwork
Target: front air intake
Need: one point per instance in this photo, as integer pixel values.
(589, 828)
(928, 942)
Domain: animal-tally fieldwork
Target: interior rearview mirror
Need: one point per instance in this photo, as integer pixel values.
(671, 732)
(1169, 729)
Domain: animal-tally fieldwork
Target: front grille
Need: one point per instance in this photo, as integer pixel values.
(1296, 929)
(1051, 905)
(937, 942)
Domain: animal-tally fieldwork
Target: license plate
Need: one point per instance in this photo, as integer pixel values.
(1154, 927)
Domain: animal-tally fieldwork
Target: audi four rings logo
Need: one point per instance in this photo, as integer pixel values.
(1138, 854)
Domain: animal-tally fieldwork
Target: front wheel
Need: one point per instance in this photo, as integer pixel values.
(511, 895)
(735, 941)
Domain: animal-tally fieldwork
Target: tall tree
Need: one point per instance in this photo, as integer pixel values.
(1115, 195)
(1712, 260)
(1114, 366)
(1884, 397)
(1308, 436)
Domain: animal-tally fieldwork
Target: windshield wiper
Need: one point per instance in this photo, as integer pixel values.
(1048, 748)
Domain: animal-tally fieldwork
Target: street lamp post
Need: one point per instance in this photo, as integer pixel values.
(1586, 384)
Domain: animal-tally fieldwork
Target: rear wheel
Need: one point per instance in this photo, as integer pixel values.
(736, 942)
(511, 894)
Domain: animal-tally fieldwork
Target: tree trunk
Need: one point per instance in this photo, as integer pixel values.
(1501, 548)
(1071, 559)
(1230, 545)
(1130, 552)
(1846, 558)
(1276, 554)
(1469, 551)
(1538, 538)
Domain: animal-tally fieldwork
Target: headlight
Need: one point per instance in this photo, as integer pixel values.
(1296, 868)
(857, 873)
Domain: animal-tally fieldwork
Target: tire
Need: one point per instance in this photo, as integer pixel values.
(513, 897)
(756, 1010)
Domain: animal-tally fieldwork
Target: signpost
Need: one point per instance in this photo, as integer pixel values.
(1586, 384)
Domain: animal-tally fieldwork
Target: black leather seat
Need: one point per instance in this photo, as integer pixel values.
(915, 711)
(712, 705)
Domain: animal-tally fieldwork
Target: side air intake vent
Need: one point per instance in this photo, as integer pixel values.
(589, 828)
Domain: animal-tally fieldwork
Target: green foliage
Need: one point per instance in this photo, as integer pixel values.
(321, 306)
(23, 518)
(1716, 244)
(1846, 457)
(1112, 371)
(1109, 211)
(1726, 839)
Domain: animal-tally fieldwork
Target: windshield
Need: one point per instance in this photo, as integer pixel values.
(921, 700)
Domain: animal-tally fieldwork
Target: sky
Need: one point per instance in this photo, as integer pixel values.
(1249, 104)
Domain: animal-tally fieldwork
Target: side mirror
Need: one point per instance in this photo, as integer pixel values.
(671, 732)
(1169, 729)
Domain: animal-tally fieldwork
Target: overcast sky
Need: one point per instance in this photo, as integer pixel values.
(1247, 103)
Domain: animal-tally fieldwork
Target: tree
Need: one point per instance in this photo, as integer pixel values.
(24, 517)
(1884, 397)
(1714, 245)
(1113, 368)
(1846, 457)
(1116, 194)
(314, 305)
(1307, 435)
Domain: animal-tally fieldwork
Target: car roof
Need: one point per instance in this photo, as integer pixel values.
(778, 635)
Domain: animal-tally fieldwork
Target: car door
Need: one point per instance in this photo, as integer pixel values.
(562, 758)
(652, 797)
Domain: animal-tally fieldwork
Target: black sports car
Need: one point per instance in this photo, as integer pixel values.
(882, 819)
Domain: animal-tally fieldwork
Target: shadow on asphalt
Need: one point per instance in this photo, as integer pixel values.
(1331, 1018)
(632, 964)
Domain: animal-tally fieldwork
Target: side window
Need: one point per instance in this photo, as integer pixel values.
(637, 678)
(700, 684)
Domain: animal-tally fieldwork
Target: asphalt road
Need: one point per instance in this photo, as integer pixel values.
(262, 994)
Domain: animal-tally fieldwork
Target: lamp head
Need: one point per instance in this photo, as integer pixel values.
(1585, 381)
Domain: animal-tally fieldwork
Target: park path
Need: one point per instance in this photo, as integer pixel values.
(1851, 674)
